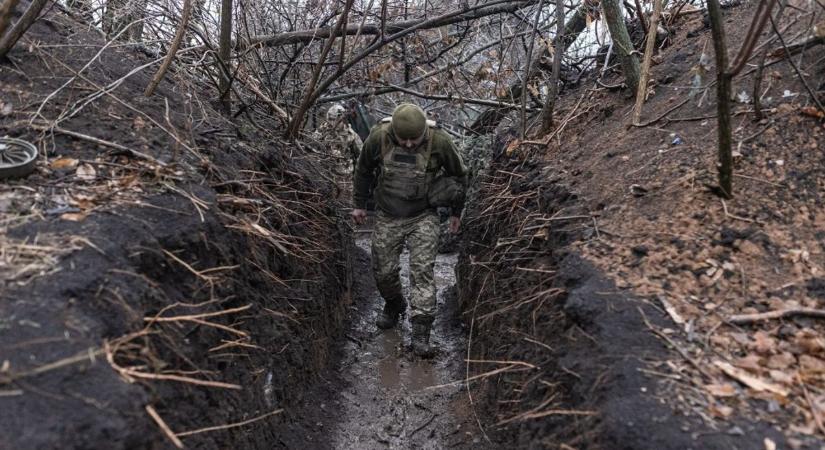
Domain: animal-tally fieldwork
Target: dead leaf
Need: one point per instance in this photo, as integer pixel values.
(512, 147)
(782, 376)
(752, 362)
(809, 341)
(781, 361)
(73, 217)
(138, 123)
(812, 111)
(763, 343)
(86, 172)
(721, 390)
(749, 380)
(679, 320)
(811, 364)
(721, 411)
(770, 444)
(63, 163)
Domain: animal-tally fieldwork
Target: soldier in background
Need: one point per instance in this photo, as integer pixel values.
(341, 141)
(419, 169)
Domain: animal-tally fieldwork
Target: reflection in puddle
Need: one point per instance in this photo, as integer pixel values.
(386, 402)
(388, 370)
(420, 375)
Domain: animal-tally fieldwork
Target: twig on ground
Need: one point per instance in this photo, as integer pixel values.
(814, 408)
(733, 216)
(422, 426)
(743, 319)
(230, 425)
(163, 427)
(85, 137)
(676, 347)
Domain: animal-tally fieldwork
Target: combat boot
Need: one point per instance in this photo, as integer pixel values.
(421, 338)
(388, 317)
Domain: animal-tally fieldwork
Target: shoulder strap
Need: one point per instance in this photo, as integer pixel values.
(386, 145)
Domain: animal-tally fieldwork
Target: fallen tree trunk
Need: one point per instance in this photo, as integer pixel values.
(374, 29)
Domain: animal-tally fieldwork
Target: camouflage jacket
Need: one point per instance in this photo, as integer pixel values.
(342, 141)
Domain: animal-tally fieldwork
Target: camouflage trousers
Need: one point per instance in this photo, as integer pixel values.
(421, 235)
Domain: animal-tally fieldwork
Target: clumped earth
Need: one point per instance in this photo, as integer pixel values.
(603, 273)
(191, 272)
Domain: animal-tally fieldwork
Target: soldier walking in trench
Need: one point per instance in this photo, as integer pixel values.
(341, 140)
(418, 169)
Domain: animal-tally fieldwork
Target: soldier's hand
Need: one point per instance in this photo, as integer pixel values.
(455, 224)
(359, 216)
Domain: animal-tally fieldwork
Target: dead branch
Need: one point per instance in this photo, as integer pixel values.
(129, 151)
(230, 425)
(813, 95)
(466, 14)
(87, 356)
(197, 316)
(743, 319)
(298, 119)
(173, 49)
(163, 427)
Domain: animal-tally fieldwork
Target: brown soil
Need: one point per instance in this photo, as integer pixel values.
(573, 245)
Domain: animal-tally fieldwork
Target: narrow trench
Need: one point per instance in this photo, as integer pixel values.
(379, 395)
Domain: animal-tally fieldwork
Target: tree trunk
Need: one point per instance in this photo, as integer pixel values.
(136, 32)
(225, 42)
(14, 34)
(6, 11)
(723, 82)
(621, 42)
(641, 92)
(550, 104)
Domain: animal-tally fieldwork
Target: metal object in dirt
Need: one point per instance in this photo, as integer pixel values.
(17, 157)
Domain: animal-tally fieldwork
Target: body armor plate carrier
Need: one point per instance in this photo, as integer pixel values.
(404, 174)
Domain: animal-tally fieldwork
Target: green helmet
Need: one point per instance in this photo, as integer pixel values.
(408, 121)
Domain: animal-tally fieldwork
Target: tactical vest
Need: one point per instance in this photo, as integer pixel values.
(404, 173)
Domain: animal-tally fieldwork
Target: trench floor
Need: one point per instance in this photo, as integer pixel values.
(378, 395)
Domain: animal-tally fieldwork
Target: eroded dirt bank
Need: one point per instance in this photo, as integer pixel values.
(581, 365)
(377, 395)
(194, 278)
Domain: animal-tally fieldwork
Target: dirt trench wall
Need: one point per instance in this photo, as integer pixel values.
(561, 352)
(167, 259)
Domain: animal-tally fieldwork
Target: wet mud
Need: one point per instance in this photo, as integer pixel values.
(379, 395)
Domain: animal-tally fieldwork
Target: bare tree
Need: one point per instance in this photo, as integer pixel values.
(6, 11)
(19, 28)
(724, 76)
(224, 48)
(550, 103)
(621, 42)
(641, 92)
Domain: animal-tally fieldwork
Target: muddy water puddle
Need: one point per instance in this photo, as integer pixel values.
(380, 395)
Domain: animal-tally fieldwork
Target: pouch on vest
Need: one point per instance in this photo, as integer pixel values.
(445, 191)
(404, 174)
